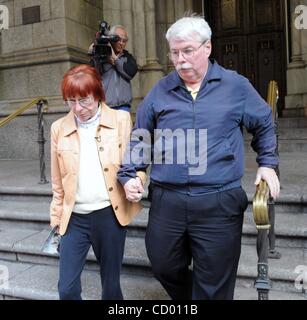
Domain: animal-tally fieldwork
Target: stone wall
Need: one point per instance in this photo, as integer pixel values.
(35, 56)
(297, 65)
(19, 138)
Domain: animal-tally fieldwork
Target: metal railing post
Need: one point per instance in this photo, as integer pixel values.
(264, 214)
(39, 102)
(262, 282)
(273, 254)
(41, 142)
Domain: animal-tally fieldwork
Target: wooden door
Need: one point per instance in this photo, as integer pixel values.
(249, 37)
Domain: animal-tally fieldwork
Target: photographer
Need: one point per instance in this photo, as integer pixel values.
(116, 65)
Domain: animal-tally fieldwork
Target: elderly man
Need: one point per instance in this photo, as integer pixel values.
(197, 213)
(117, 72)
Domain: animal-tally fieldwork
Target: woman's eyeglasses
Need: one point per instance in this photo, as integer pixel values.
(83, 102)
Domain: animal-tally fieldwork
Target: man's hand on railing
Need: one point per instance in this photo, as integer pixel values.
(269, 175)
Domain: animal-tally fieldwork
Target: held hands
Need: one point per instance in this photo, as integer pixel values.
(269, 175)
(134, 189)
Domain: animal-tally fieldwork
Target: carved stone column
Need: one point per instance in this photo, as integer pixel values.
(171, 17)
(152, 71)
(296, 99)
(112, 11)
(127, 22)
(150, 19)
(189, 5)
(140, 48)
(162, 47)
(180, 8)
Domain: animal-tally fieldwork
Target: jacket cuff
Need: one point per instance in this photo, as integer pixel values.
(124, 180)
(142, 175)
(271, 166)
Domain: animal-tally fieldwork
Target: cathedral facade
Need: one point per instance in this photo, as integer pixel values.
(264, 40)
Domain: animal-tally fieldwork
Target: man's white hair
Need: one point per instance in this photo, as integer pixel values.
(187, 27)
(114, 28)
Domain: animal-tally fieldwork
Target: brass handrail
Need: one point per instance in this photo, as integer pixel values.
(260, 202)
(260, 206)
(273, 95)
(264, 214)
(42, 105)
(23, 109)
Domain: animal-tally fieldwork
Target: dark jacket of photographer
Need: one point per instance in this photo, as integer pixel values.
(116, 80)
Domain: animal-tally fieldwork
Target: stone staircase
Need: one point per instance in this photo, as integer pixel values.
(292, 135)
(24, 225)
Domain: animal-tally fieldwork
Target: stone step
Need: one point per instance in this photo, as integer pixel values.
(26, 213)
(299, 122)
(284, 145)
(290, 139)
(292, 145)
(39, 282)
(292, 133)
(294, 113)
(35, 215)
(286, 134)
(26, 126)
(245, 291)
(26, 209)
(19, 182)
(290, 228)
(25, 246)
(281, 271)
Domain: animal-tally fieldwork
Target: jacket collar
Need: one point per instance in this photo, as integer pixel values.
(107, 119)
(214, 73)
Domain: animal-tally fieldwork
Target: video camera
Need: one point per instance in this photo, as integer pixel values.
(102, 45)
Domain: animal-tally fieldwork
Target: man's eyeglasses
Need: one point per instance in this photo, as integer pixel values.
(83, 102)
(123, 40)
(187, 53)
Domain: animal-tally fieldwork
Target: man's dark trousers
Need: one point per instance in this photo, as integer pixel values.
(204, 228)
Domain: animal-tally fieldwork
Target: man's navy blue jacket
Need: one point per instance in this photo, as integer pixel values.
(225, 103)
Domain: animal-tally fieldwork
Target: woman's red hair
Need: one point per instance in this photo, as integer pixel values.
(82, 81)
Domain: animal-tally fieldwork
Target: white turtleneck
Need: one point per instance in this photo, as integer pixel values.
(92, 191)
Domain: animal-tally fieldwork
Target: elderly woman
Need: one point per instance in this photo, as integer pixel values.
(89, 205)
